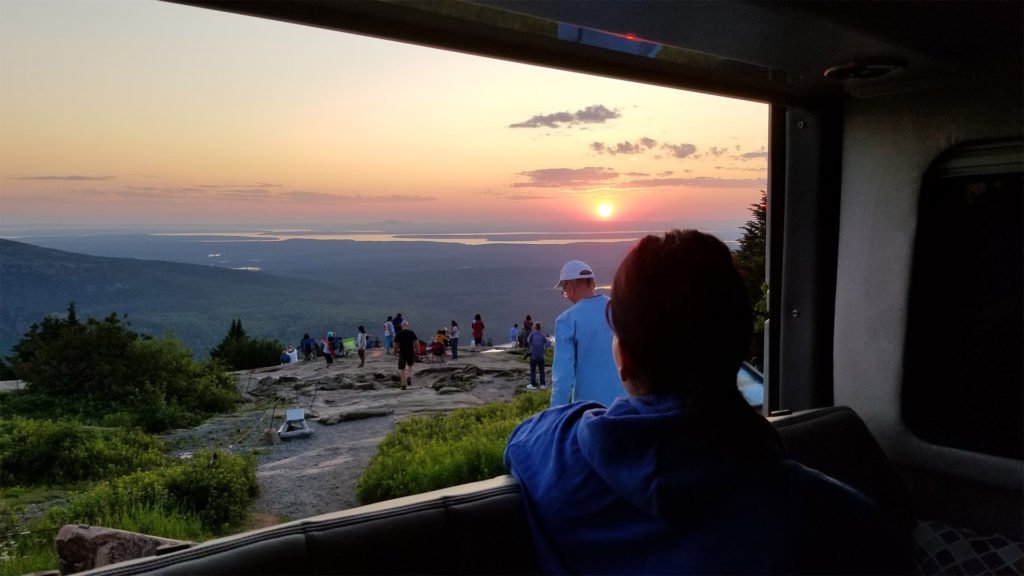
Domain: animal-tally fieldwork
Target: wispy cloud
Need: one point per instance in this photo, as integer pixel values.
(701, 182)
(69, 178)
(526, 197)
(639, 147)
(356, 198)
(597, 114)
(263, 193)
(644, 145)
(566, 177)
(681, 150)
(257, 185)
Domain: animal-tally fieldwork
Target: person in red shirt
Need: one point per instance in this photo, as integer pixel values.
(478, 332)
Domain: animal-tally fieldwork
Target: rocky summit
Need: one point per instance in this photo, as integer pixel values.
(349, 410)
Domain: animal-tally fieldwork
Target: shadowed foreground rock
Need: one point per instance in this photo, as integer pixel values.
(85, 547)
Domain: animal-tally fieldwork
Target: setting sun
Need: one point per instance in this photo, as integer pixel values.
(604, 210)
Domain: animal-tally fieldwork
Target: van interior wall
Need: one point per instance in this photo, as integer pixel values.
(888, 144)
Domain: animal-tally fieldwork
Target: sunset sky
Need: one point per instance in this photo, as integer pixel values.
(135, 113)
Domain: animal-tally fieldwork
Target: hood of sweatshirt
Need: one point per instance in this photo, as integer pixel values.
(663, 456)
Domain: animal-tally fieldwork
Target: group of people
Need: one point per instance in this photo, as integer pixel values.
(401, 340)
(329, 346)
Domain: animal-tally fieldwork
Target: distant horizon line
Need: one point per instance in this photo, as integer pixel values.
(464, 238)
(400, 231)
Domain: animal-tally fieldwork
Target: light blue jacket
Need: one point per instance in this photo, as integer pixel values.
(583, 367)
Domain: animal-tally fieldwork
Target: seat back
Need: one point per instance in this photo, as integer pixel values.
(836, 442)
(477, 528)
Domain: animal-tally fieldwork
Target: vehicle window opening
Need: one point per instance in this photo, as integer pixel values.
(963, 360)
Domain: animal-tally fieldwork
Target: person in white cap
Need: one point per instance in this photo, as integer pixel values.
(583, 368)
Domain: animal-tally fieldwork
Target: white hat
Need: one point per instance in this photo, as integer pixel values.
(574, 270)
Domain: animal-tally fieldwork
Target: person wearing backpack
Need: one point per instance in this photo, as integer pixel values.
(308, 346)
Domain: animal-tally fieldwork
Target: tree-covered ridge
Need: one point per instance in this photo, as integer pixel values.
(303, 286)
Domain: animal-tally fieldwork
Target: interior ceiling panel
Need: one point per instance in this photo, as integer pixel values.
(774, 51)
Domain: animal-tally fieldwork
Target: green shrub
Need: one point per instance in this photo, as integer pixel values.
(208, 494)
(35, 452)
(217, 486)
(430, 453)
(101, 371)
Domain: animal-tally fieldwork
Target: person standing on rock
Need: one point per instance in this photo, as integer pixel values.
(527, 330)
(389, 334)
(536, 342)
(478, 332)
(361, 345)
(328, 348)
(308, 346)
(453, 335)
(406, 342)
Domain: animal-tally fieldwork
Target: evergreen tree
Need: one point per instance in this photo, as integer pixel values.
(751, 253)
(236, 332)
(240, 352)
(750, 259)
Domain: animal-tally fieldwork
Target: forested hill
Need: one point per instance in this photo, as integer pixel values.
(194, 302)
(304, 286)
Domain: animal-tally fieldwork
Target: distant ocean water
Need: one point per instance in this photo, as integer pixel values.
(469, 238)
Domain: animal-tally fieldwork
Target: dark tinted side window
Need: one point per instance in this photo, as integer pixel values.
(963, 365)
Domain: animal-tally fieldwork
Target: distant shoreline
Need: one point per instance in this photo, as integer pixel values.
(466, 238)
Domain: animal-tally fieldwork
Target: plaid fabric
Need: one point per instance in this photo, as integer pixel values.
(943, 549)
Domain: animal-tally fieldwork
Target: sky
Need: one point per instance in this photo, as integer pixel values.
(139, 113)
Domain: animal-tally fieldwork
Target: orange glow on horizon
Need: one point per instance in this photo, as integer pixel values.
(395, 133)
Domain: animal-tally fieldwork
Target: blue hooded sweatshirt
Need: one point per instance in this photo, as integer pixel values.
(649, 486)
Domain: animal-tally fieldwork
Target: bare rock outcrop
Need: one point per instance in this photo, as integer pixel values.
(82, 548)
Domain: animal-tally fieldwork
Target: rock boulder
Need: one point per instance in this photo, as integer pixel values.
(82, 547)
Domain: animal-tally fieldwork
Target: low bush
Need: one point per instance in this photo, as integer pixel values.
(102, 371)
(206, 495)
(430, 453)
(35, 452)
